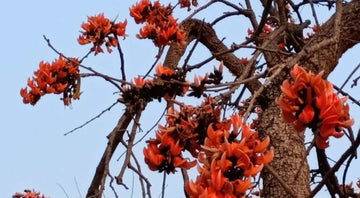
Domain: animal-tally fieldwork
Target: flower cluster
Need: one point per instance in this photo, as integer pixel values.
(160, 25)
(185, 130)
(187, 4)
(309, 101)
(157, 88)
(163, 154)
(229, 162)
(28, 194)
(99, 30)
(61, 76)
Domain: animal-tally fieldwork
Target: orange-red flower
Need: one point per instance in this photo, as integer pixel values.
(281, 46)
(244, 61)
(187, 4)
(139, 81)
(309, 101)
(163, 154)
(61, 76)
(99, 30)
(160, 70)
(28, 194)
(228, 163)
(160, 26)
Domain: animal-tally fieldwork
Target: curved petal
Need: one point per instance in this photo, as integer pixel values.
(241, 186)
(321, 143)
(307, 114)
(261, 146)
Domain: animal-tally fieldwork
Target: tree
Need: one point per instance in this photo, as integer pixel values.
(273, 81)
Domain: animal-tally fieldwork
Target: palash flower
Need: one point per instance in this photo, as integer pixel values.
(187, 4)
(99, 30)
(61, 76)
(140, 10)
(28, 194)
(160, 26)
(160, 70)
(309, 101)
(139, 81)
(228, 163)
(163, 154)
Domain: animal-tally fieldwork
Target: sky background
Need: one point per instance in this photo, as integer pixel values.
(34, 152)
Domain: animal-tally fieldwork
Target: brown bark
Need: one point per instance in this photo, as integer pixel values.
(321, 52)
(290, 156)
(97, 185)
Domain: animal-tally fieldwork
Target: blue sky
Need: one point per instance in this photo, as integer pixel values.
(33, 150)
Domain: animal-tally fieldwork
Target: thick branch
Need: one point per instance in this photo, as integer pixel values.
(97, 185)
(196, 29)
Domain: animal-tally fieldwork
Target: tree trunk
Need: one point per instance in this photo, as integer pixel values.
(290, 155)
(321, 53)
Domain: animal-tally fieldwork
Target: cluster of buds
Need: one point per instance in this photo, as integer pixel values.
(99, 30)
(61, 76)
(161, 86)
(309, 101)
(160, 26)
(198, 87)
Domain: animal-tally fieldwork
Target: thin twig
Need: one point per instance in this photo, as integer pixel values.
(92, 119)
(345, 172)
(63, 189)
(251, 15)
(163, 185)
(111, 186)
(141, 177)
(336, 167)
(129, 147)
(263, 20)
(105, 77)
(161, 50)
(199, 9)
(146, 133)
(349, 76)
(122, 62)
(314, 13)
(346, 94)
(77, 187)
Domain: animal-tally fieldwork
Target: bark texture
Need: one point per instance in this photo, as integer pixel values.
(321, 52)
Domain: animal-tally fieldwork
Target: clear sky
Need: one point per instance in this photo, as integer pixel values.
(34, 152)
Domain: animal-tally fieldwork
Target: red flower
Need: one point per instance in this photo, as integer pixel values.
(187, 4)
(98, 31)
(160, 70)
(139, 81)
(160, 26)
(61, 76)
(163, 154)
(309, 101)
(28, 194)
(228, 164)
(244, 61)
(281, 46)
